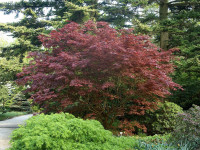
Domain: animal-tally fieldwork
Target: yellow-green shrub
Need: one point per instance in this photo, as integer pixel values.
(163, 120)
(65, 132)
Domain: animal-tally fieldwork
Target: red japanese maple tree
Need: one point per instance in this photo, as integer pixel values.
(109, 72)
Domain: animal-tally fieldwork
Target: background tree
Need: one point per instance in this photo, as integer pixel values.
(177, 26)
(26, 32)
(185, 21)
(8, 71)
(10, 92)
(36, 22)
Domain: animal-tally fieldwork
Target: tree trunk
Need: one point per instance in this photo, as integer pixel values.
(164, 35)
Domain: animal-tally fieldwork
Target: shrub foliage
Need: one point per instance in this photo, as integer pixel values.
(188, 127)
(108, 72)
(163, 120)
(65, 132)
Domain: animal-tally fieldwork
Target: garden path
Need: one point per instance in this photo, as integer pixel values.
(6, 128)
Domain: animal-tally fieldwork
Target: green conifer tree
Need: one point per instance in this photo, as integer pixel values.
(36, 22)
(177, 25)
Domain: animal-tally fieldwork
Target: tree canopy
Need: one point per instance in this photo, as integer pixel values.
(108, 72)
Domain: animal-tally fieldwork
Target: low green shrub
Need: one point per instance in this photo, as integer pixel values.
(163, 120)
(188, 127)
(65, 132)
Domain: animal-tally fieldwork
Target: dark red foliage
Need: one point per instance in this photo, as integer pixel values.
(108, 72)
(129, 127)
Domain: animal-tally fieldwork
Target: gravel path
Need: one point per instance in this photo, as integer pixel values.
(6, 128)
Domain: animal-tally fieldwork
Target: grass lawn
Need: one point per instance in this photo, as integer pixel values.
(11, 114)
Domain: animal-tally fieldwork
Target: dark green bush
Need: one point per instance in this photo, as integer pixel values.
(163, 120)
(65, 132)
(188, 127)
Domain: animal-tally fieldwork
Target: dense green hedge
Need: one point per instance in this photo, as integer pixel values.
(163, 120)
(65, 132)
